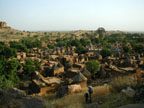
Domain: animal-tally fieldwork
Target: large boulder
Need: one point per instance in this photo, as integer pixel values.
(15, 98)
(129, 92)
(33, 103)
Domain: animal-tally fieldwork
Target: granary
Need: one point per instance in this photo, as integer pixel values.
(80, 79)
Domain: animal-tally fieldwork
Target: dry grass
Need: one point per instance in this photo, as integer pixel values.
(75, 100)
(120, 83)
(116, 100)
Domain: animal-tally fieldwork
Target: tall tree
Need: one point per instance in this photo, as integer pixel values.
(101, 31)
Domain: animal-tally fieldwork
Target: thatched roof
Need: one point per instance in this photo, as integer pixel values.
(86, 72)
(79, 77)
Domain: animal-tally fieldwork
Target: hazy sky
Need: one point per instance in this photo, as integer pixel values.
(48, 15)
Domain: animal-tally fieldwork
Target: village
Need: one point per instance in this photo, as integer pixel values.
(58, 60)
(63, 67)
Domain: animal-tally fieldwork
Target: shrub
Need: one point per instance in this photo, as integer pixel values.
(8, 72)
(80, 49)
(5, 83)
(7, 51)
(30, 66)
(119, 83)
(126, 49)
(93, 66)
(18, 46)
(51, 46)
(106, 52)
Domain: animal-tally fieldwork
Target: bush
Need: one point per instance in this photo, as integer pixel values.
(51, 46)
(30, 66)
(80, 49)
(8, 72)
(93, 66)
(126, 49)
(7, 51)
(31, 44)
(5, 83)
(84, 42)
(106, 52)
(139, 48)
(18, 46)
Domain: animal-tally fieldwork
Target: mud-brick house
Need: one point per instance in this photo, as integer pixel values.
(63, 50)
(90, 54)
(44, 44)
(58, 50)
(66, 58)
(78, 65)
(54, 57)
(57, 69)
(80, 79)
(31, 55)
(76, 60)
(44, 85)
(18, 56)
(75, 54)
(24, 55)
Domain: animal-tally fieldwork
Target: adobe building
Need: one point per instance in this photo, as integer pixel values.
(3, 24)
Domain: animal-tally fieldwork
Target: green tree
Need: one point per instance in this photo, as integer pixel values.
(7, 51)
(8, 73)
(126, 49)
(101, 32)
(139, 48)
(84, 42)
(18, 46)
(51, 46)
(80, 49)
(93, 66)
(75, 42)
(106, 52)
(30, 66)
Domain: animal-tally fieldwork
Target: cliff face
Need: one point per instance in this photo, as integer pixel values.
(3, 24)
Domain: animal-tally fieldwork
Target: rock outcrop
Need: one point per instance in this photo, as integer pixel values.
(3, 24)
(15, 98)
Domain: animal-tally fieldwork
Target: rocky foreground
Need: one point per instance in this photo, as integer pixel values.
(14, 98)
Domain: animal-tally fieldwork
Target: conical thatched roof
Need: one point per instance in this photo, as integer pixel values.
(86, 72)
(79, 77)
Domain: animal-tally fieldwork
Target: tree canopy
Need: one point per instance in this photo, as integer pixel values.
(93, 66)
